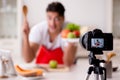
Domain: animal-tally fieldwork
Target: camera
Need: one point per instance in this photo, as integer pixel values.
(96, 41)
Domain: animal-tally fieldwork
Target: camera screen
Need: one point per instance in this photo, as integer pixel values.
(97, 42)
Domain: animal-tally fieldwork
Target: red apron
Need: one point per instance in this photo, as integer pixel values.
(45, 55)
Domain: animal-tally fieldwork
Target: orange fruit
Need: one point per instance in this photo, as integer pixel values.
(64, 33)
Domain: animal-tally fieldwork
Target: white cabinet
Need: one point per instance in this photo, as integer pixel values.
(8, 19)
(116, 18)
(113, 17)
(10, 25)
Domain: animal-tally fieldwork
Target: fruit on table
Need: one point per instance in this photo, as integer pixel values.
(77, 33)
(64, 33)
(53, 64)
(28, 73)
(71, 35)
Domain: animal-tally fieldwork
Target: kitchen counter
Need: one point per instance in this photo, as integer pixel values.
(78, 72)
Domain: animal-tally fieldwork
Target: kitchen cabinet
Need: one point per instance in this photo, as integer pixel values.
(113, 17)
(10, 25)
(116, 18)
(8, 17)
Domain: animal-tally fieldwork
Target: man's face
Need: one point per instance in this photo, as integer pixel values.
(55, 21)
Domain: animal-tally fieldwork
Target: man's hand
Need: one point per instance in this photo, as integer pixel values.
(26, 28)
(69, 54)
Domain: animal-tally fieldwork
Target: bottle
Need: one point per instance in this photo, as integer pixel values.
(10, 70)
(2, 66)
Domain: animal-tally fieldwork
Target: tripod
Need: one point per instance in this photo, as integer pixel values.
(100, 72)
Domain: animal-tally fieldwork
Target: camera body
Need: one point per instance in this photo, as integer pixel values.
(96, 41)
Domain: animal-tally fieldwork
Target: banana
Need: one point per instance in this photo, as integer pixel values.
(28, 73)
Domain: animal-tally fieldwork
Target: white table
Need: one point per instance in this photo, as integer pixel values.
(78, 72)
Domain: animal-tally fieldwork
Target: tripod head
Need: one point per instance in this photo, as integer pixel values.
(93, 60)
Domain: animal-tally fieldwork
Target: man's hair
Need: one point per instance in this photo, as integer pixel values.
(56, 7)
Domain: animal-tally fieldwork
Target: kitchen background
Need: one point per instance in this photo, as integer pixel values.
(103, 14)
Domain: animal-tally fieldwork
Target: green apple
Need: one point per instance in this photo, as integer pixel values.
(71, 35)
(72, 27)
(77, 27)
(53, 64)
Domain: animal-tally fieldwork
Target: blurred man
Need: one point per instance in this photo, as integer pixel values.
(43, 43)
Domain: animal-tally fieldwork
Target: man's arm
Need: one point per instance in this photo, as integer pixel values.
(29, 49)
(69, 54)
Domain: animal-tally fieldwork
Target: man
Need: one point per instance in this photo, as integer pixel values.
(44, 43)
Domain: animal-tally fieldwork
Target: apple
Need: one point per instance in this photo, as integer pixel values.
(77, 33)
(76, 27)
(71, 35)
(64, 33)
(53, 64)
(72, 27)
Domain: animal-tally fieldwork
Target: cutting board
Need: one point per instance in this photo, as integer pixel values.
(60, 68)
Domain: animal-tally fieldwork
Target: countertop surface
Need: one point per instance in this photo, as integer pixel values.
(78, 72)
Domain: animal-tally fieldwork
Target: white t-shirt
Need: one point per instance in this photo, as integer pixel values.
(39, 34)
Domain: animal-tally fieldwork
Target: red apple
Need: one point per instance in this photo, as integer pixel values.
(64, 33)
(77, 33)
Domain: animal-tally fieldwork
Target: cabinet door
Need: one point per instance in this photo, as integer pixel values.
(116, 18)
(8, 18)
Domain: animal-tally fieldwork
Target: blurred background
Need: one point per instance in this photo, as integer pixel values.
(90, 14)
